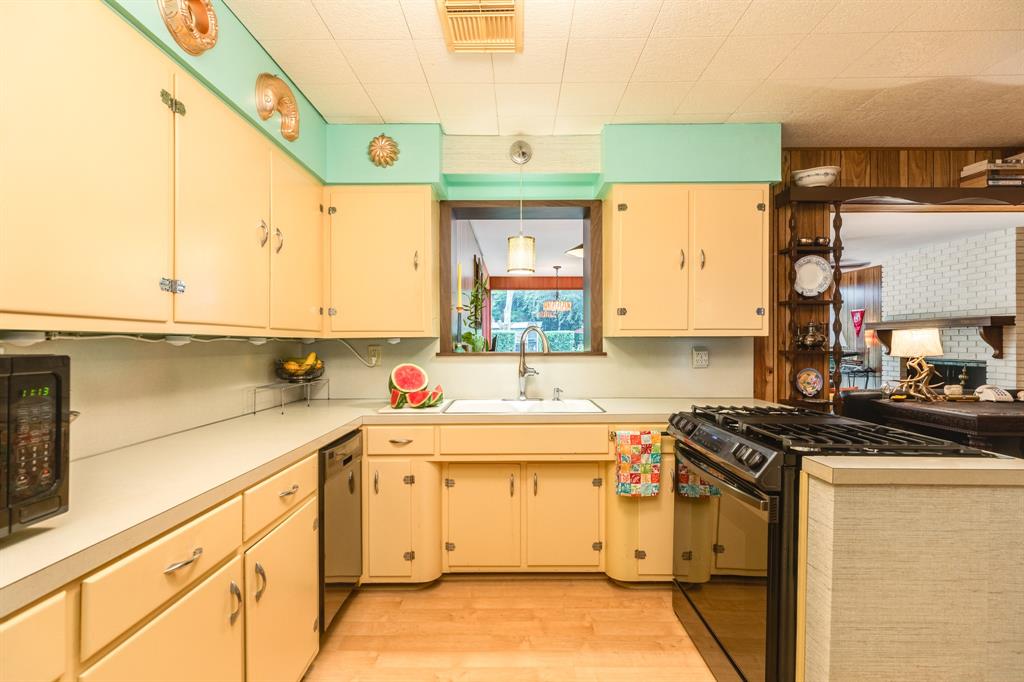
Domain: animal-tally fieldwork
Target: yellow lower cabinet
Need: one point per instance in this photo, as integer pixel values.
(32, 643)
(198, 638)
(563, 515)
(741, 545)
(282, 633)
(389, 517)
(484, 516)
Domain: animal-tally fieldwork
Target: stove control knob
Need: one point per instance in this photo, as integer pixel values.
(736, 448)
(741, 453)
(756, 459)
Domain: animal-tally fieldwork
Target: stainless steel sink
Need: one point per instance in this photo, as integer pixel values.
(498, 406)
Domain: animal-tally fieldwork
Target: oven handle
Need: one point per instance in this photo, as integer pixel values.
(759, 503)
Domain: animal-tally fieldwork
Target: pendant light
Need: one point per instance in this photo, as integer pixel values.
(557, 304)
(522, 249)
(576, 251)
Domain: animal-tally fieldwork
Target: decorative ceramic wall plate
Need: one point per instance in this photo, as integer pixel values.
(383, 151)
(809, 382)
(192, 23)
(813, 276)
(273, 94)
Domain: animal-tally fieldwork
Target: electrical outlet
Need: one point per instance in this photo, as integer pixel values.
(374, 353)
(701, 358)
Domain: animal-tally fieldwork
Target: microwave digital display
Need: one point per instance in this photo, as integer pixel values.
(35, 392)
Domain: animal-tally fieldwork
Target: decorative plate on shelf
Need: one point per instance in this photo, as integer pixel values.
(813, 276)
(809, 382)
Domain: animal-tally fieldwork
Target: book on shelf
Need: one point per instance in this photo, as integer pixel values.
(997, 165)
(995, 178)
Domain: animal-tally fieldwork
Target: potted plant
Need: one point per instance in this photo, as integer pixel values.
(474, 340)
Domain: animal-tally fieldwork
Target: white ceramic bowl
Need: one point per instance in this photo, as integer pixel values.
(822, 176)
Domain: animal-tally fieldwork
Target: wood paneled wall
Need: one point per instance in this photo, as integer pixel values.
(862, 289)
(861, 167)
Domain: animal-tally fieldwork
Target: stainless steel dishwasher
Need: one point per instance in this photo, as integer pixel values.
(341, 541)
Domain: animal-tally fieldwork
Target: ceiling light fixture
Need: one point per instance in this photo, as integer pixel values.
(557, 304)
(522, 249)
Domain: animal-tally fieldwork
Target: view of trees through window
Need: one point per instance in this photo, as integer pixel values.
(512, 311)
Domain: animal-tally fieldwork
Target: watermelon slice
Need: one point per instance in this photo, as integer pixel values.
(397, 399)
(408, 378)
(419, 398)
(436, 396)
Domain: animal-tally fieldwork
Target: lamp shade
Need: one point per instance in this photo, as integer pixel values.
(522, 255)
(915, 343)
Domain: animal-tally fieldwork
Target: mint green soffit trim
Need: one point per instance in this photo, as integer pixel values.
(720, 152)
(504, 186)
(229, 70)
(419, 154)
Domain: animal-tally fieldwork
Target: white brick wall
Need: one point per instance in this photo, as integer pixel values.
(977, 275)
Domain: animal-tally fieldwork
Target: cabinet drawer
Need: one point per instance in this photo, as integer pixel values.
(199, 638)
(120, 595)
(33, 643)
(523, 439)
(400, 440)
(280, 493)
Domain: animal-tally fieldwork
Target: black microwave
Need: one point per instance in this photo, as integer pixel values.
(34, 419)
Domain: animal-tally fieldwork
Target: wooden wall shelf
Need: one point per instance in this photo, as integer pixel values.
(883, 198)
(990, 328)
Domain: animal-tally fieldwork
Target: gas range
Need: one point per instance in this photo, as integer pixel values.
(754, 443)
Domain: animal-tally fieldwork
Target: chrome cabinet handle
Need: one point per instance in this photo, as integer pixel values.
(291, 491)
(416, 260)
(264, 233)
(260, 573)
(535, 484)
(702, 259)
(196, 553)
(376, 482)
(351, 482)
(400, 441)
(682, 259)
(280, 239)
(235, 594)
(511, 485)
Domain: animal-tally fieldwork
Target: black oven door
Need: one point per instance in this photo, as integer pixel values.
(728, 585)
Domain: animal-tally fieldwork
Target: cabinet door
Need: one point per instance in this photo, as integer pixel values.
(562, 514)
(296, 262)
(86, 185)
(655, 520)
(380, 260)
(34, 642)
(198, 638)
(730, 246)
(282, 595)
(389, 522)
(742, 537)
(222, 213)
(485, 515)
(649, 259)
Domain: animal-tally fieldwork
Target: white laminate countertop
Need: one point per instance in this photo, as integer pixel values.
(123, 498)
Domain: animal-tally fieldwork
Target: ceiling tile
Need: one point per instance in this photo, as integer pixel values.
(716, 96)
(640, 118)
(749, 57)
(469, 125)
(526, 125)
(541, 61)
(354, 120)
(579, 125)
(686, 18)
(311, 61)
(847, 94)
(966, 15)
(589, 99)
(422, 18)
(546, 19)
(363, 19)
(675, 59)
(897, 55)
(700, 118)
(403, 102)
(442, 66)
(781, 95)
(383, 61)
(825, 56)
(527, 99)
(757, 117)
(857, 16)
(968, 53)
(281, 19)
(652, 99)
(614, 18)
(601, 59)
(346, 99)
(779, 17)
(464, 100)
(1009, 67)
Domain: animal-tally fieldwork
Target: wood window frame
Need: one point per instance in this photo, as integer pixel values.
(533, 209)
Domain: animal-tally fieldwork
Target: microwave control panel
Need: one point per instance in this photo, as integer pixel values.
(33, 413)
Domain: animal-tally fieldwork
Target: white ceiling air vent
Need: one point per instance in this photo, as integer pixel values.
(482, 25)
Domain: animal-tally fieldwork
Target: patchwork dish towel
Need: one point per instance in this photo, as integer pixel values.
(638, 463)
(689, 484)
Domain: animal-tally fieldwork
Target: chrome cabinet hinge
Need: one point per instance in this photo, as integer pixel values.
(623, 207)
(598, 546)
(760, 312)
(321, 310)
(175, 105)
(174, 286)
(331, 210)
(639, 554)
(687, 555)
(761, 207)
(718, 549)
(332, 311)
(409, 479)
(409, 556)
(449, 483)
(316, 524)
(449, 546)
(620, 311)
(597, 482)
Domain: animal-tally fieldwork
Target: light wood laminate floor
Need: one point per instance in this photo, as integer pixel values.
(518, 629)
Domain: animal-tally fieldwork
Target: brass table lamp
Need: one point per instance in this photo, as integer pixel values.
(915, 344)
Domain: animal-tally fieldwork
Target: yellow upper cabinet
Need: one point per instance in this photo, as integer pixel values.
(222, 239)
(646, 260)
(686, 260)
(86, 186)
(296, 263)
(384, 262)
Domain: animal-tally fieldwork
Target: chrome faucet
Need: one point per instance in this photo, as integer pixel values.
(524, 369)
